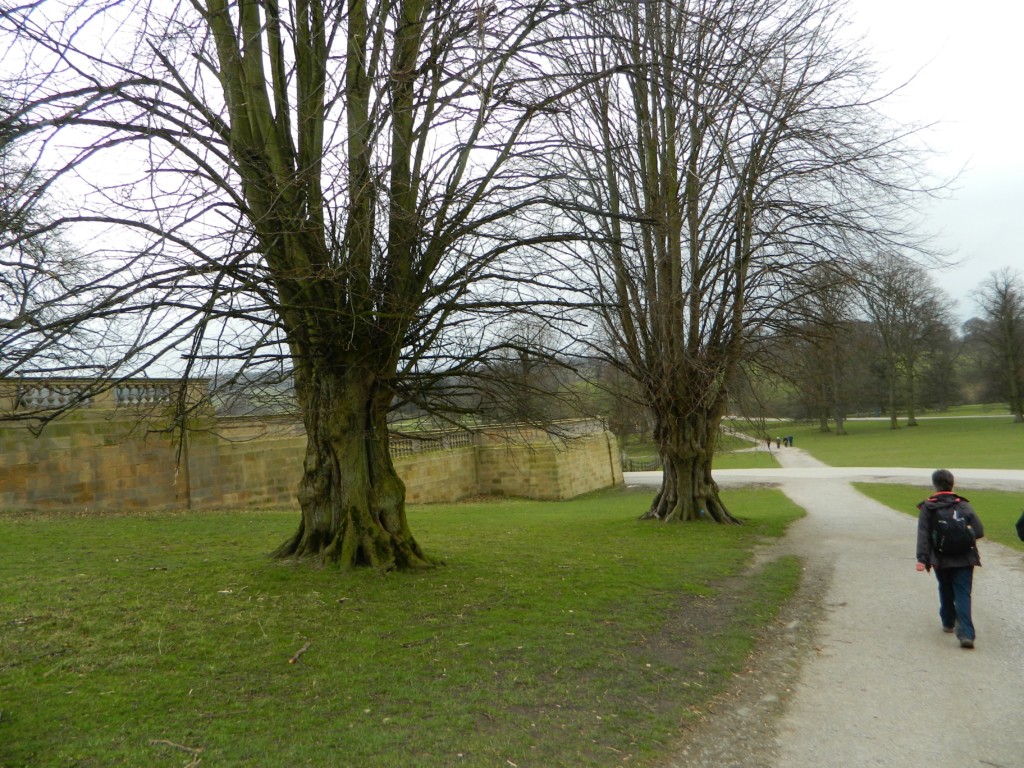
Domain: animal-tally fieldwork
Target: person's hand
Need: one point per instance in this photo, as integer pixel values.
(920, 566)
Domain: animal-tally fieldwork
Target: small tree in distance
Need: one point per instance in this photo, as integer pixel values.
(1001, 335)
(911, 317)
(818, 343)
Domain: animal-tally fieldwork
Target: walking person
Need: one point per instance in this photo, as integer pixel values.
(947, 531)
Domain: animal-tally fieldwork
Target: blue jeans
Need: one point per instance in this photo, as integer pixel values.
(955, 599)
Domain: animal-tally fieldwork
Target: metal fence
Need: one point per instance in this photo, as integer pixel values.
(640, 465)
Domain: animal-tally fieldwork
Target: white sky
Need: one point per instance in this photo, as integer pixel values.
(970, 79)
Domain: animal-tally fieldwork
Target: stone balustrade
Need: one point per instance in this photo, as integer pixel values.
(30, 395)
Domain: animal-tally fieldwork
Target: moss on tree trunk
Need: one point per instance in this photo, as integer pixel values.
(688, 490)
(352, 500)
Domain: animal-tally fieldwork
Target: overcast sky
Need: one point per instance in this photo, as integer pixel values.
(971, 80)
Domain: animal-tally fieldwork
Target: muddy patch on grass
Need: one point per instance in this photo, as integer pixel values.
(737, 728)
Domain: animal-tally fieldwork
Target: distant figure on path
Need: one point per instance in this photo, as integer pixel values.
(947, 529)
(789, 440)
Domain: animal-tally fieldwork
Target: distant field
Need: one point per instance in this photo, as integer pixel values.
(978, 409)
(963, 441)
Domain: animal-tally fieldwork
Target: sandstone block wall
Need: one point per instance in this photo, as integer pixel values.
(443, 476)
(81, 463)
(550, 469)
(90, 460)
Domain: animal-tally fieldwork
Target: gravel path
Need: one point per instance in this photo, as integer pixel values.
(857, 671)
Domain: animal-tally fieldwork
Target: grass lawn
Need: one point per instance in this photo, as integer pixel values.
(733, 453)
(998, 510)
(965, 442)
(975, 409)
(557, 634)
(758, 459)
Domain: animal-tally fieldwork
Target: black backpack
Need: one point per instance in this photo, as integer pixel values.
(951, 535)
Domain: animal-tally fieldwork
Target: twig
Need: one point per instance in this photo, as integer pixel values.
(182, 747)
(299, 652)
(194, 751)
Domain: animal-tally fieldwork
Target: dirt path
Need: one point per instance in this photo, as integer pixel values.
(857, 672)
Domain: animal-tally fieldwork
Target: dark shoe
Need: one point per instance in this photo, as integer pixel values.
(948, 630)
(965, 643)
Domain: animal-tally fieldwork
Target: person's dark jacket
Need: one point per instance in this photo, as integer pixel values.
(925, 551)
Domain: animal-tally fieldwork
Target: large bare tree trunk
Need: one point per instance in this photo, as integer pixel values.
(352, 500)
(688, 490)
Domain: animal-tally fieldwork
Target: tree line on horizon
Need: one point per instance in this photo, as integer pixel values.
(893, 348)
(845, 363)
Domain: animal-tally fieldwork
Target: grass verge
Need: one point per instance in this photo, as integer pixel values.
(733, 453)
(998, 510)
(558, 634)
(750, 459)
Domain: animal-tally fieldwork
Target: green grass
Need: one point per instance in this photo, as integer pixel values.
(733, 453)
(974, 409)
(558, 634)
(998, 510)
(965, 442)
(761, 459)
(737, 453)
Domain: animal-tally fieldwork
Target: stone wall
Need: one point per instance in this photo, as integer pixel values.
(82, 463)
(441, 476)
(94, 459)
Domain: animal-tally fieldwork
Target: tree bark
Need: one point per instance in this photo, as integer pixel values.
(1013, 377)
(688, 490)
(893, 416)
(838, 409)
(352, 500)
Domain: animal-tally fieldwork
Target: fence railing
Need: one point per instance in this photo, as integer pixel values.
(640, 465)
(143, 393)
(53, 394)
(406, 444)
(410, 446)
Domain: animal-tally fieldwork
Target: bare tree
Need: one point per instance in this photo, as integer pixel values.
(1001, 334)
(36, 263)
(738, 147)
(911, 317)
(820, 332)
(531, 379)
(336, 192)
